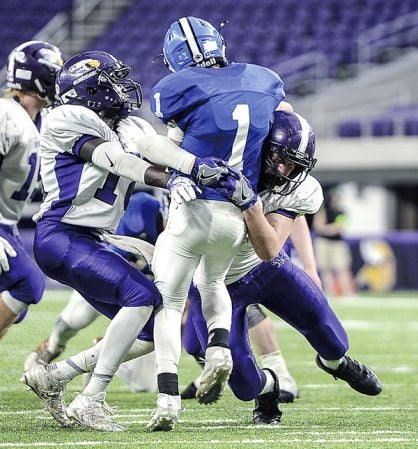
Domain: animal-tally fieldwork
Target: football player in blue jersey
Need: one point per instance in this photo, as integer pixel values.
(31, 72)
(212, 108)
(88, 171)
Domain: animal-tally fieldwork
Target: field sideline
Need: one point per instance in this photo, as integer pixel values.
(383, 333)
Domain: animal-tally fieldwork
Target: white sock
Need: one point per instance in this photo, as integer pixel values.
(119, 337)
(167, 340)
(269, 386)
(331, 364)
(83, 362)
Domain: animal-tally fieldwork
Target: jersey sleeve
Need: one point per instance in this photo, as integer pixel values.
(9, 131)
(68, 127)
(172, 96)
(278, 89)
(306, 199)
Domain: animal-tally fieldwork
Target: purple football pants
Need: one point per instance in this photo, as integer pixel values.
(289, 293)
(76, 256)
(24, 281)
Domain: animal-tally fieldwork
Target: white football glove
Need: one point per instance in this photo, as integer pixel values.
(6, 251)
(182, 189)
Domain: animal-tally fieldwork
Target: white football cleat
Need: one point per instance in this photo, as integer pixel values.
(49, 390)
(93, 412)
(215, 375)
(167, 413)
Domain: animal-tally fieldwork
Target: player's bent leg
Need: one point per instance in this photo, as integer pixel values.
(122, 293)
(319, 325)
(318, 322)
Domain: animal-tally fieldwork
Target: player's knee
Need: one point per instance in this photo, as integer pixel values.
(245, 391)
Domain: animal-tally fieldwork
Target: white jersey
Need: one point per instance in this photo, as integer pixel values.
(19, 160)
(76, 191)
(305, 199)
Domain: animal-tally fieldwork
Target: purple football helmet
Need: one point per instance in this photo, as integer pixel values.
(290, 139)
(33, 66)
(191, 41)
(98, 80)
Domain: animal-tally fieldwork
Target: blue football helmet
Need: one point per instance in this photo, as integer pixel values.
(193, 42)
(98, 80)
(290, 139)
(33, 66)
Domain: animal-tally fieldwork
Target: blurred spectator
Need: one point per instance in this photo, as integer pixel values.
(332, 251)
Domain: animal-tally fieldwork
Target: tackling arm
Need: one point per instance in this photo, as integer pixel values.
(267, 233)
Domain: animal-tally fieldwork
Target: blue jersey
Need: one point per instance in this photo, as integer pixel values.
(222, 112)
(142, 219)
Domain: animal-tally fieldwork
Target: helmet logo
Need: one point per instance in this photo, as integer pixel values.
(93, 64)
(84, 66)
(207, 63)
(51, 56)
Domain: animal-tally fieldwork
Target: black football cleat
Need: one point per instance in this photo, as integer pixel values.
(358, 376)
(267, 405)
(189, 392)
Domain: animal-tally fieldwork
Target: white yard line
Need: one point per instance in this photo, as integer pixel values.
(181, 443)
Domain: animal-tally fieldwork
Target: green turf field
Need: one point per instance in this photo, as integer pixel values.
(383, 333)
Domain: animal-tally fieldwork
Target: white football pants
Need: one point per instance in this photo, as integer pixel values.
(201, 237)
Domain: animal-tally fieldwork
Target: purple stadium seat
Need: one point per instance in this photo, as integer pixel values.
(382, 127)
(411, 127)
(350, 128)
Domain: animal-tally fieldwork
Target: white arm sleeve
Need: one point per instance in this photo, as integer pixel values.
(161, 150)
(111, 157)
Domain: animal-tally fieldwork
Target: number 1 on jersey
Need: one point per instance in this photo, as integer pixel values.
(241, 114)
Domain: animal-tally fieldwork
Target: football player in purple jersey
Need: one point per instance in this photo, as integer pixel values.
(88, 169)
(263, 274)
(212, 108)
(31, 72)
